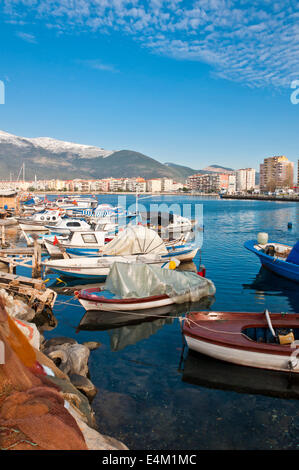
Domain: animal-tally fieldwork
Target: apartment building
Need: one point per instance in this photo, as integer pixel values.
(245, 179)
(210, 182)
(276, 172)
(154, 185)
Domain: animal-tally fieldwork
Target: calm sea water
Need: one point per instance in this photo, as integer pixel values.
(149, 398)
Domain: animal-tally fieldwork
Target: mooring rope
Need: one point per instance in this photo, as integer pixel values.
(146, 315)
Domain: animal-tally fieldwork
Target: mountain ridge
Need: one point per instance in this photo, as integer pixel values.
(49, 158)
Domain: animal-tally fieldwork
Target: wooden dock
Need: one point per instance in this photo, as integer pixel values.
(29, 257)
(34, 291)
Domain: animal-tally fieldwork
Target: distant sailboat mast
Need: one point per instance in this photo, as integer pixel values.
(19, 175)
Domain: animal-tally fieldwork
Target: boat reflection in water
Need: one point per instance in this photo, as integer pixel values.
(128, 328)
(268, 284)
(202, 370)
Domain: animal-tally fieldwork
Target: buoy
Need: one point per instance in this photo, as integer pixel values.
(172, 265)
(202, 271)
(262, 238)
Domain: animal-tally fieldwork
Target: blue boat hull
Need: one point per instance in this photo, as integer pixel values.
(278, 266)
(95, 252)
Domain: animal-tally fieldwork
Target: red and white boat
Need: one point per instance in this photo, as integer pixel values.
(142, 286)
(251, 339)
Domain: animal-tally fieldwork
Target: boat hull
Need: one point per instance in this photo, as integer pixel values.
(221, 335)
(244, 358)
(278, 266)
(33, 227)
(124, 306)
(91, 268)
(183, 255)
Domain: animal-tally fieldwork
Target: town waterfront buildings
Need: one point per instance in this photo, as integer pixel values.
(276, 175)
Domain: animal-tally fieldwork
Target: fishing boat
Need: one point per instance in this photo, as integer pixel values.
(261, 340)
(38, 221)
(86, 242)
(79, 202)
(68, 225)
(183, 253)
(167, 224)
(280, 258)
(180, 224)
(99, 268)
(42, 239)
(91, 319)
(134, 287)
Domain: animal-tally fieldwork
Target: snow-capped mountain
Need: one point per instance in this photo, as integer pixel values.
(54, 145)
(49, 158)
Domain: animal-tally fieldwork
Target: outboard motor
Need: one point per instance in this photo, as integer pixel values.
(270, 250)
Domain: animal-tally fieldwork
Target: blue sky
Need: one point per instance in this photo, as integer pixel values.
(194, 82)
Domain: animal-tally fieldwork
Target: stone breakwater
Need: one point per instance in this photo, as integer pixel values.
(261, 197)
(65, 363)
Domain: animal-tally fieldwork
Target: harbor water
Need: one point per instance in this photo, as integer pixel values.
(152, 392)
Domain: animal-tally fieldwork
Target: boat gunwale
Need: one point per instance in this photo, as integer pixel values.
(85, 295)
(250, 246)
(241, 341)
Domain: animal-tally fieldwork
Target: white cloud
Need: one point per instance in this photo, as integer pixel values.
(98, 65)
(251, 41)
(27, 37)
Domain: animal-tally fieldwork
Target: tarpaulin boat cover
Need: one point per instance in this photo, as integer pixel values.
(294, 255)
(141, 280)
(135, 240)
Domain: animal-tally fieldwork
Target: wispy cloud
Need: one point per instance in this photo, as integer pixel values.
(98, 65)
(27, 37)
(251, 41)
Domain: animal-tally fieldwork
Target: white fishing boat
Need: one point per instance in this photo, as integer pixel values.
(38, 221)
(132, 240)
(67, 225)
(99, 268)
(76, 202)
(179, 224)
(85, 241)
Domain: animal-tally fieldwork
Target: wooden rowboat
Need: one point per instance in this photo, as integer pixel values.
(101, 299)
(250, 339)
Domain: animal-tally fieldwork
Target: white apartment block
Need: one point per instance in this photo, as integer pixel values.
(154, 185)
(245, 179)
(167, 184)
(231, 188)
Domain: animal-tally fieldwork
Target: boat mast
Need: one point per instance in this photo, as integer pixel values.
(136, 210)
